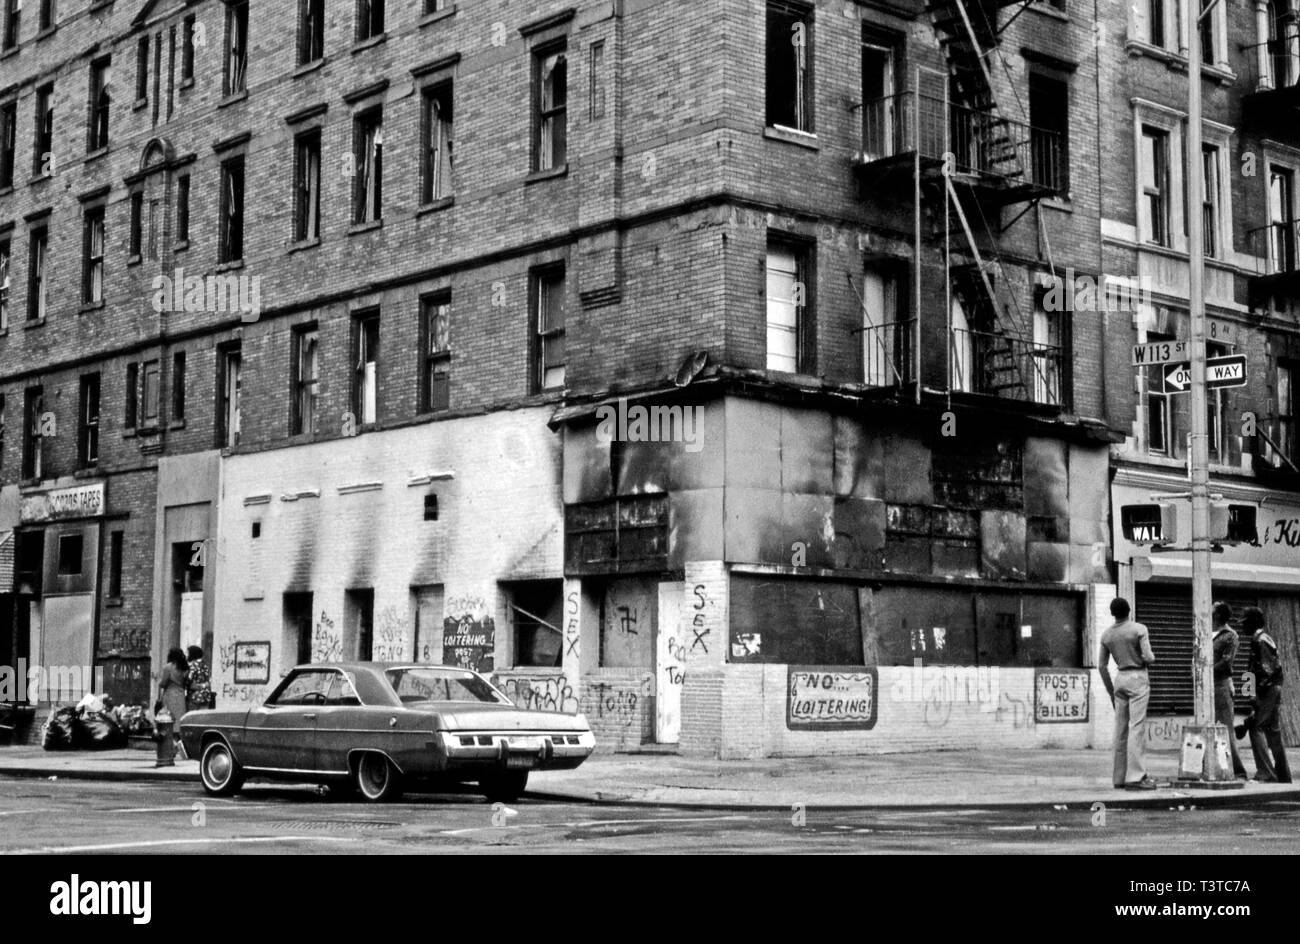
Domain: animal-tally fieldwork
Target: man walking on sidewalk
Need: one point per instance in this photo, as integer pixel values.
(1265, 725)
(1225, 650)
(1128, 643)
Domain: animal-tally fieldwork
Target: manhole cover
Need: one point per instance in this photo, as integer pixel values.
(331, 824)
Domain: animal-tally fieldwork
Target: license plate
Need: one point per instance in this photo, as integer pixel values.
(524, 743)
(524, 761)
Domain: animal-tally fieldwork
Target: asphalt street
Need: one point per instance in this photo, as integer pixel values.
(66, 816)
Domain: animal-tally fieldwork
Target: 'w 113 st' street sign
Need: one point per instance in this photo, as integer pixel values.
(1227, 371)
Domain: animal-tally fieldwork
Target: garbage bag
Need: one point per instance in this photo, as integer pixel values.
(97, 731)
(60, 730)
(132, 719)
(91, 702)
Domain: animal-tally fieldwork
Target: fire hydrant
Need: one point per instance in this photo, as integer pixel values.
(164, 730)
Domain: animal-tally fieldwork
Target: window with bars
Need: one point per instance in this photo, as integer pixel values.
(437, 131)
(43, 141)
(548, 319)
(789, 65)
(8, 142)
(100, 100)
(236, 47)
(306, 380)
(550, 105)
(37, 283)
(311, 31)
(365, 369)
(435, 321)
(88, 422)
(368, 164)
(370, 19)
(306, 175)
(92, 280)
(232, 209)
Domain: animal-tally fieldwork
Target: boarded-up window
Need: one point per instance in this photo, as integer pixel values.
(792, 621)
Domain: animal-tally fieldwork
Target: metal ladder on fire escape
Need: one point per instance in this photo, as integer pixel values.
(967, 43)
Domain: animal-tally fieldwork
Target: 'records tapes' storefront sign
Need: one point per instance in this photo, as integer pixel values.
(81, 501)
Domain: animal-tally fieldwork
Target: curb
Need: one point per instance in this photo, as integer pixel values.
(144, 775)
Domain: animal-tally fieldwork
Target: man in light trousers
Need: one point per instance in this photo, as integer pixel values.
(1129, 644)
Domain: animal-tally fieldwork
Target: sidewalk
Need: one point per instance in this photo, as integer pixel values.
(952, 779)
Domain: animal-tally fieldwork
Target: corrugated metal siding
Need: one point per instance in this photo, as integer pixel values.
(6, 562)
(1166, 610)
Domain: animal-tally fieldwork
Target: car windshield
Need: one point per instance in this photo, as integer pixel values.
(412, 685)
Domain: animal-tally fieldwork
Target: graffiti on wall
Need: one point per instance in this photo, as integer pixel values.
(572, 638)
(326, 641)
(621, 703)
(1061, 695)
(126, 638)
(242, 694)
(226, 658)
(539, 693)
(390, 636)
(700, 629)
(1165, 734)
(821, 697)
(468, 635)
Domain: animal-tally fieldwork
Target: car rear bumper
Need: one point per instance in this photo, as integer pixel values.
(494, 750)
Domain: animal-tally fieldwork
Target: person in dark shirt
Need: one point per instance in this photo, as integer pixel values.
(1225, 650)
(1129, 644)
(1265, 724)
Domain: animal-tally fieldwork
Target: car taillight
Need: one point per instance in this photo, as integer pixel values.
(467, 742)
(485, 740)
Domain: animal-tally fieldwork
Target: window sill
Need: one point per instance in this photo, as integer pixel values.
(181, 245)
(1064, 204)
(186, 84)
(11, 51)
(99, 5)
(307, 68)
(792, 136)
(37, 179)
(232, 264)
(33, 323)
(430, 18)
(233, 99)
(29, 483)
(550, 174)
(128, 433)
(112, 602)
(176, 424)
(134, 260)
(6, 190)
(365, 44)
(140, 103)
(87, 471)
(148, 431)
(46, 33)
(301, 244)
(442, 203)
(1050, 12)
(357, 228)
(96, 154)
(90, 306)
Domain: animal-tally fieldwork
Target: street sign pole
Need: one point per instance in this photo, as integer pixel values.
(1202, 650)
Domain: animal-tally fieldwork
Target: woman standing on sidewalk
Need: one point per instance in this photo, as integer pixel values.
(173, 685)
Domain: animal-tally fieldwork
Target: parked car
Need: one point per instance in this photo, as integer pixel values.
(381, 728)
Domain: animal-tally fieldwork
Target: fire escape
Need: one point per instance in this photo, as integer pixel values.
(968, 162)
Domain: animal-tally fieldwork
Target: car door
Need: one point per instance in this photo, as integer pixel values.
(281, 734)
(341, 725)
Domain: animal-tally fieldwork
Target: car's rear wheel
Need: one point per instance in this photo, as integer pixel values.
(506, 787)
(221, 774)
(377, 780)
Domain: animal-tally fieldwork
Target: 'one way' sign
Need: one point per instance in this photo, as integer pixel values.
(1227, 371)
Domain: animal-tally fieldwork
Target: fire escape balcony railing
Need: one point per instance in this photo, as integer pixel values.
(1274, 246)
(1273, 77)
(983, 144)
(887, 353)
(1002, 366)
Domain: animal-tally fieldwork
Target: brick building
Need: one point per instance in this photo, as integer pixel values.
(1251, 55)
(345, 295)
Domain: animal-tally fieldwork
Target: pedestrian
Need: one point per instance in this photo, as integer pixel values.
(172, 687)
(1129, 644)
(200, 693)
(1225, 650)
(1265, 723)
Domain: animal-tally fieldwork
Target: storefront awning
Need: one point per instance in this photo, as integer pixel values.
(1172, 568)
(7, 561)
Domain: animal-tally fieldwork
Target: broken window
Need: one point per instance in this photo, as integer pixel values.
(368, 163)
(307, 186)
(100, 100)
(548, 316)
(789, 321)
(88, 431)
(365, 372)
(8, 142)
(790, 620)
(370, 19)
(311, 31)
(436, 323)
(33, 408)
(43, 146)
(37, 283)
(550, 98)
(436, 177)
(789, 65)
(232, 209)
(536, 612)
(92, 280)
(236, 47)
(228, 380)
(306, 378)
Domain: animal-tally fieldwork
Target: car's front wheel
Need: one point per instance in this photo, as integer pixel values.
(377, 780)
(506, 787)
(221, 774)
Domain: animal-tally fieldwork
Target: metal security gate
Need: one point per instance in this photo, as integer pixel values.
(1166, 610)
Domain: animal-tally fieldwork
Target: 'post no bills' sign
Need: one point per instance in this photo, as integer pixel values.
(1061, 695)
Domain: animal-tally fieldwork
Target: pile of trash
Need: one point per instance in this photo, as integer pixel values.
(95, 724)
